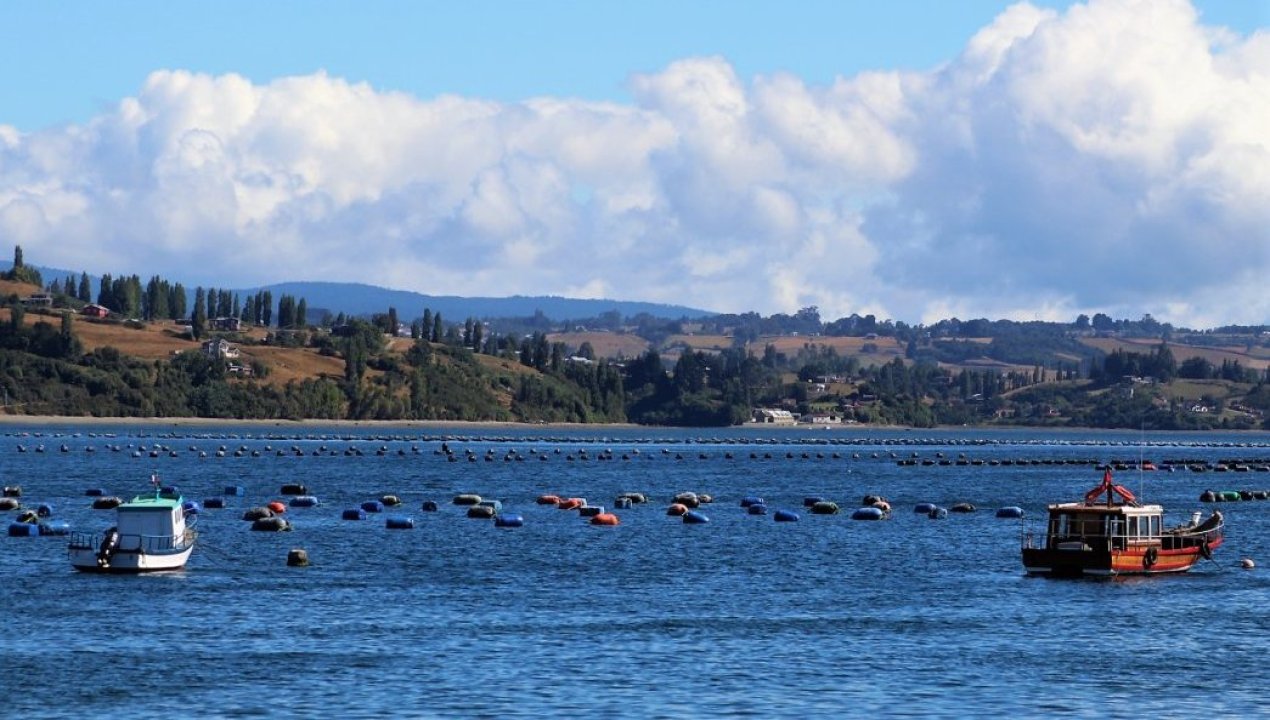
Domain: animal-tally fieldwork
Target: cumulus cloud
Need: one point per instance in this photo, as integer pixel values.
(1114, 158)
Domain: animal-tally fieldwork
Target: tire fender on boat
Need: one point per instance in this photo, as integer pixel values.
(1206, 550)
(1149, 557)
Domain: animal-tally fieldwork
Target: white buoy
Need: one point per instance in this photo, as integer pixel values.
(1247, 563)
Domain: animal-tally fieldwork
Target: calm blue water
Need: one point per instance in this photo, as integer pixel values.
(743, 616)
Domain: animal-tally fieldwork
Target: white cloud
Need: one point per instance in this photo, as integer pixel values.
(1112, 158)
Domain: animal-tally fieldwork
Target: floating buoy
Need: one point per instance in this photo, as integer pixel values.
(304, 501)
(481, 512)
(758, 509)
(1208, 496)
(390, 500)
(399, 522)
(687, 499)
(44, 510)
(271, 524)
(677, 509)
(9, 503)
(571, 503)
(297, 558)
(606, 519)
(373, 506)
(924, 508)
(190, 507)
(868, 513)
(233, 490)
(1247, 563)
(824, 507)
(963, 507)
(293, 489)
(812, 500)
(21, 529)
(636, 498)
(429, 506)
(1010, 511)
(353, 514)
(55, 527)
(107, 503)
(467, 499)
(785, 516)
(509, 520)
(12, 491)
(749, 500)
(590, 510)
(94, 492)
(623, 503)
(257, 513)
(214, 503)
(938, 513)
(692, 517)
(548, 500)
(277, 507)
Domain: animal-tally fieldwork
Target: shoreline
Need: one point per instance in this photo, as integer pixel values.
(8, 420)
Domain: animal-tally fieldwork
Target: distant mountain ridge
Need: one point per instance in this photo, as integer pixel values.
(365, 299)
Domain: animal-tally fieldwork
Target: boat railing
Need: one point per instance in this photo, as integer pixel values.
(81, 540)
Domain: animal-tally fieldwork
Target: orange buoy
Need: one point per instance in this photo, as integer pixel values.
(605, 519)
(548, 499)
(570, 504)
(277, 507)
(677, 509)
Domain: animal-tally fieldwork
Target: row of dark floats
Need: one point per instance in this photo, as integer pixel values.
(271, 517)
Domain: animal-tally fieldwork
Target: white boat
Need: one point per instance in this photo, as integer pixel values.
(150, 534)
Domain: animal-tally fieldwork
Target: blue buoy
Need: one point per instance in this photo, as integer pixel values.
(1010, 511)
(354, 514)
(399, 522)
(509, 520)
(55, 527)
(812, 500)
(190, 507)
(785, 516)
(692, 517)
(924, 508)
(234, 490)
(757, 509)
(373, 506)
(21, 529)
(751, 500)
(938, 513)
(868, 513)
(303, 501)
(44, 510)
(429, 506)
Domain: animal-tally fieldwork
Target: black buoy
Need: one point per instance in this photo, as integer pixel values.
(297, 558)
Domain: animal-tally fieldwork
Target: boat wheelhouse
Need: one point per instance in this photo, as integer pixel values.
(150, 533)
(1118, 536)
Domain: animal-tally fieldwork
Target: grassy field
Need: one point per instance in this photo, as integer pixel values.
(1257, 359)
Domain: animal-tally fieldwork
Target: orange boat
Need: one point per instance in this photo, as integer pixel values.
(1117, 536)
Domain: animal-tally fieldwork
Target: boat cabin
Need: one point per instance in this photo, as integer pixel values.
(152, 523)
(1077, 526)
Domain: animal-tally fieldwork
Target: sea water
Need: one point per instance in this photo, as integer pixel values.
(742, 616)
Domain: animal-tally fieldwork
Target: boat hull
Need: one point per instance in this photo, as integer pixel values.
(1102, 563)
(129, 561)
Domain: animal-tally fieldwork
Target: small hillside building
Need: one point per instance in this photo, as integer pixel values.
(220, 348)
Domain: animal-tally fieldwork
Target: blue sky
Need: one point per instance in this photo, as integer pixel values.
(916, 160)
(64, 61)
